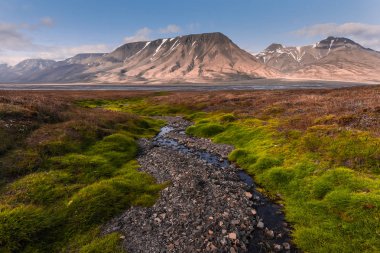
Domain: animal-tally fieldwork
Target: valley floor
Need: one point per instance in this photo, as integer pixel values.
(81, 171)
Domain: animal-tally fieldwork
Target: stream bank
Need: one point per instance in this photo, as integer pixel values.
(210, 206)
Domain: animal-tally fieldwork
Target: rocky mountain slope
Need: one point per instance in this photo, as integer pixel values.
(204, 58)
(330, 59)
(193, 58)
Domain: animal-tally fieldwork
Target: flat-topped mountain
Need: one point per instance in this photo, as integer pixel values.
(330, 59)
(197, 58)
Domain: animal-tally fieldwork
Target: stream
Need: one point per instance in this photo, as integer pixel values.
(272, 232)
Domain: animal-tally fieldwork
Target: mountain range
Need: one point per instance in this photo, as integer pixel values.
(204, 58)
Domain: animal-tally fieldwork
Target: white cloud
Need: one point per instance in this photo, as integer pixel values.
(11, 38)
(141, 35)
(15, 46)
(53, 53)
(170, 29)
(365, 34)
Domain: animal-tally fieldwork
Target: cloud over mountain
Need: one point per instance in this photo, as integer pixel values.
(366, 34)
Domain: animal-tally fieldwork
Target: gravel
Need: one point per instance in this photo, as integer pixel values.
(205, 208)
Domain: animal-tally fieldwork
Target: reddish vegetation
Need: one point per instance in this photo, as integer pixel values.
(33, 121)
(357, 108)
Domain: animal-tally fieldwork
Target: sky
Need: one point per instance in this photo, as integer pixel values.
(57, 30)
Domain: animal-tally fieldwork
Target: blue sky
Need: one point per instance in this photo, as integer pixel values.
(59, 29)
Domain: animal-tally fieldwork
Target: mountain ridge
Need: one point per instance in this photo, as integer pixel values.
(204, 58)
(331, 59)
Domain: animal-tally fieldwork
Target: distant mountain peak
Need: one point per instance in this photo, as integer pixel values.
(332, 42)
(273, 47)
(35, 64)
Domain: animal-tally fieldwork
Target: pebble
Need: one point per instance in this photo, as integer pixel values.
(248, 195)
(194, 212)
(260, 225)
(269, 233)
(286, 246)
(277, 247)
(232, 236)
(235, 222)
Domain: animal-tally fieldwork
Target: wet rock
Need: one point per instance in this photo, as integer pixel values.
(260, 225)
(269, 233)
(204, 201)
(277, 247)
(286, 246)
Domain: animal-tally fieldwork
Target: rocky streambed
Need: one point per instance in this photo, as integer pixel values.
(210, 205)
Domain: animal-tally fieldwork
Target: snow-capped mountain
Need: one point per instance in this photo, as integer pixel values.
(287, 59)
(330, 59)
(204, 58)
(193, 58)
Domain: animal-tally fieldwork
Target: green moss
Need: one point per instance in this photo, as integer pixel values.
(326, 175)
(108, 244)
(40, 188)
(117, 148)
(70, 179)
(100, 201)
(136, 105)
(206, 130)
(266, 162)
(225, 118)
(22, 225)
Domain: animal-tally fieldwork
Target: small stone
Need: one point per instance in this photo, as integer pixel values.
(232, 236)
(210, 218)
(248, 195)
(221, 223)
(157, 220)
(224, 231)
(277, 247)
(212, 247)
(122, 237)
(210, 232)
(253, 211)
(235, 222)
(286, 246)
(260, 224)
(269, 233)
